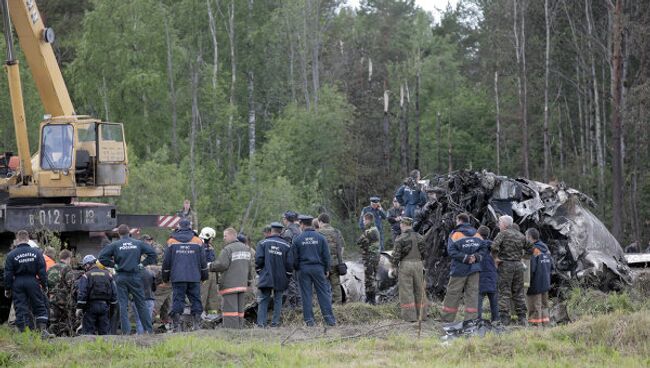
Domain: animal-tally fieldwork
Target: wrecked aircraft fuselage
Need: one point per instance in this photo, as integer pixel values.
(584, 251)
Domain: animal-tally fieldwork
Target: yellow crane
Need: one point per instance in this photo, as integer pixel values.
(78, 156)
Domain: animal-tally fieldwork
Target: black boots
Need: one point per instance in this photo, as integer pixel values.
(176, 322)
(42, 326)
(196, 322)
(370, 298)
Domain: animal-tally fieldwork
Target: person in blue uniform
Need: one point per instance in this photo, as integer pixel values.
(25, 281)
(124, 255)
(312, 261)
(97, 295)
(274, 265)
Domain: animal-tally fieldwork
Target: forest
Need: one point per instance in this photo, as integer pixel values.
(253, 107)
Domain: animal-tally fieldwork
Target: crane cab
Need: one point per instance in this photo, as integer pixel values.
(82, 156)
(77, 157)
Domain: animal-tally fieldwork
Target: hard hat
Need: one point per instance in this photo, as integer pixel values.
(88, 259)
(207, 233)
(32, 243)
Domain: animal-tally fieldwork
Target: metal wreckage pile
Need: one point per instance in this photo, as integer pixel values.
(585, 252)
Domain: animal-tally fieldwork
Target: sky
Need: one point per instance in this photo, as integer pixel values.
(429, 5)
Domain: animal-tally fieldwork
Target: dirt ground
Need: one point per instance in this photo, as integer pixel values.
(288, 334)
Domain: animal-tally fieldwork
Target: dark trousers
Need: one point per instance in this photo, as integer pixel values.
(96, 318)
(193, 292)
(29, 299)
(131, 283)
(311, 277)
(263, 307)
(494, 305)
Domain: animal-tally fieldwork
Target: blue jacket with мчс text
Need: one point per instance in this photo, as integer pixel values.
(463, 242)
(185, 262)
(541, 265)
(310, 248)
(274, 263)
(124, 255)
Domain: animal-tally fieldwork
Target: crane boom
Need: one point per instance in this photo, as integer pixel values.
(35, 41)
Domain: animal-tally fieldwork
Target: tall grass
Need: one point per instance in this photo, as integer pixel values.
(617, 339)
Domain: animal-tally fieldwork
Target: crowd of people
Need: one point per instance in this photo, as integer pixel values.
(295, 258)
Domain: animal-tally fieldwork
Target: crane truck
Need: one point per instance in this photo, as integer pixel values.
(77, 157)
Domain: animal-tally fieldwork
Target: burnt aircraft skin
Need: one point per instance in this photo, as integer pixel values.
(582, 247)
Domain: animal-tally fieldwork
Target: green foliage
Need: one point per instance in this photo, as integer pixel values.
(120, 71)
(612, 340)
(158, 176)
(330, 157)
(31, 101)
(590, 302)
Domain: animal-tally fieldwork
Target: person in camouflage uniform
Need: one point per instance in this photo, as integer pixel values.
(54, 275)
(336, 244)
(63, 302)
(163, 293)
(408, 253)
(508, 249)
(369, 243)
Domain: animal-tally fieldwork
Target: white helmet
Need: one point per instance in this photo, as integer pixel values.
(207, 233)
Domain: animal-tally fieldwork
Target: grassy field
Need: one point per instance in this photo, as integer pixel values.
(620, 337)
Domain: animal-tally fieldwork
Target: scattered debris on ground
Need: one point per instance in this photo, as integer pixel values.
(584, 251)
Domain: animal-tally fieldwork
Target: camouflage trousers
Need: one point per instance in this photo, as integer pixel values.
(210, 297)
(511, 290)
(463, 288)
(293, 300)
(410, 284)
(335, 282)
(370, 264)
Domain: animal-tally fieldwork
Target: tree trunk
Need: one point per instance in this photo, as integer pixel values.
(386, 132)
(194, 86)
(520, 47)
(561, 140)
(292, 83)
(417, 120)
(104, 94)
(215, 44)
(498, 117)
(402, 133)
(583, 150)
(574, 140)
(600, 159)
(314, 13)
(617, 159)
(304, 44)
(233, 81)
(407, 137)
(547, 148)
(449, 147)
(438, 143)
(634, 182)
(172, 94)
(251, 90)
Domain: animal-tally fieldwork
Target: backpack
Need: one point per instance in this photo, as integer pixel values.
(99, 285)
